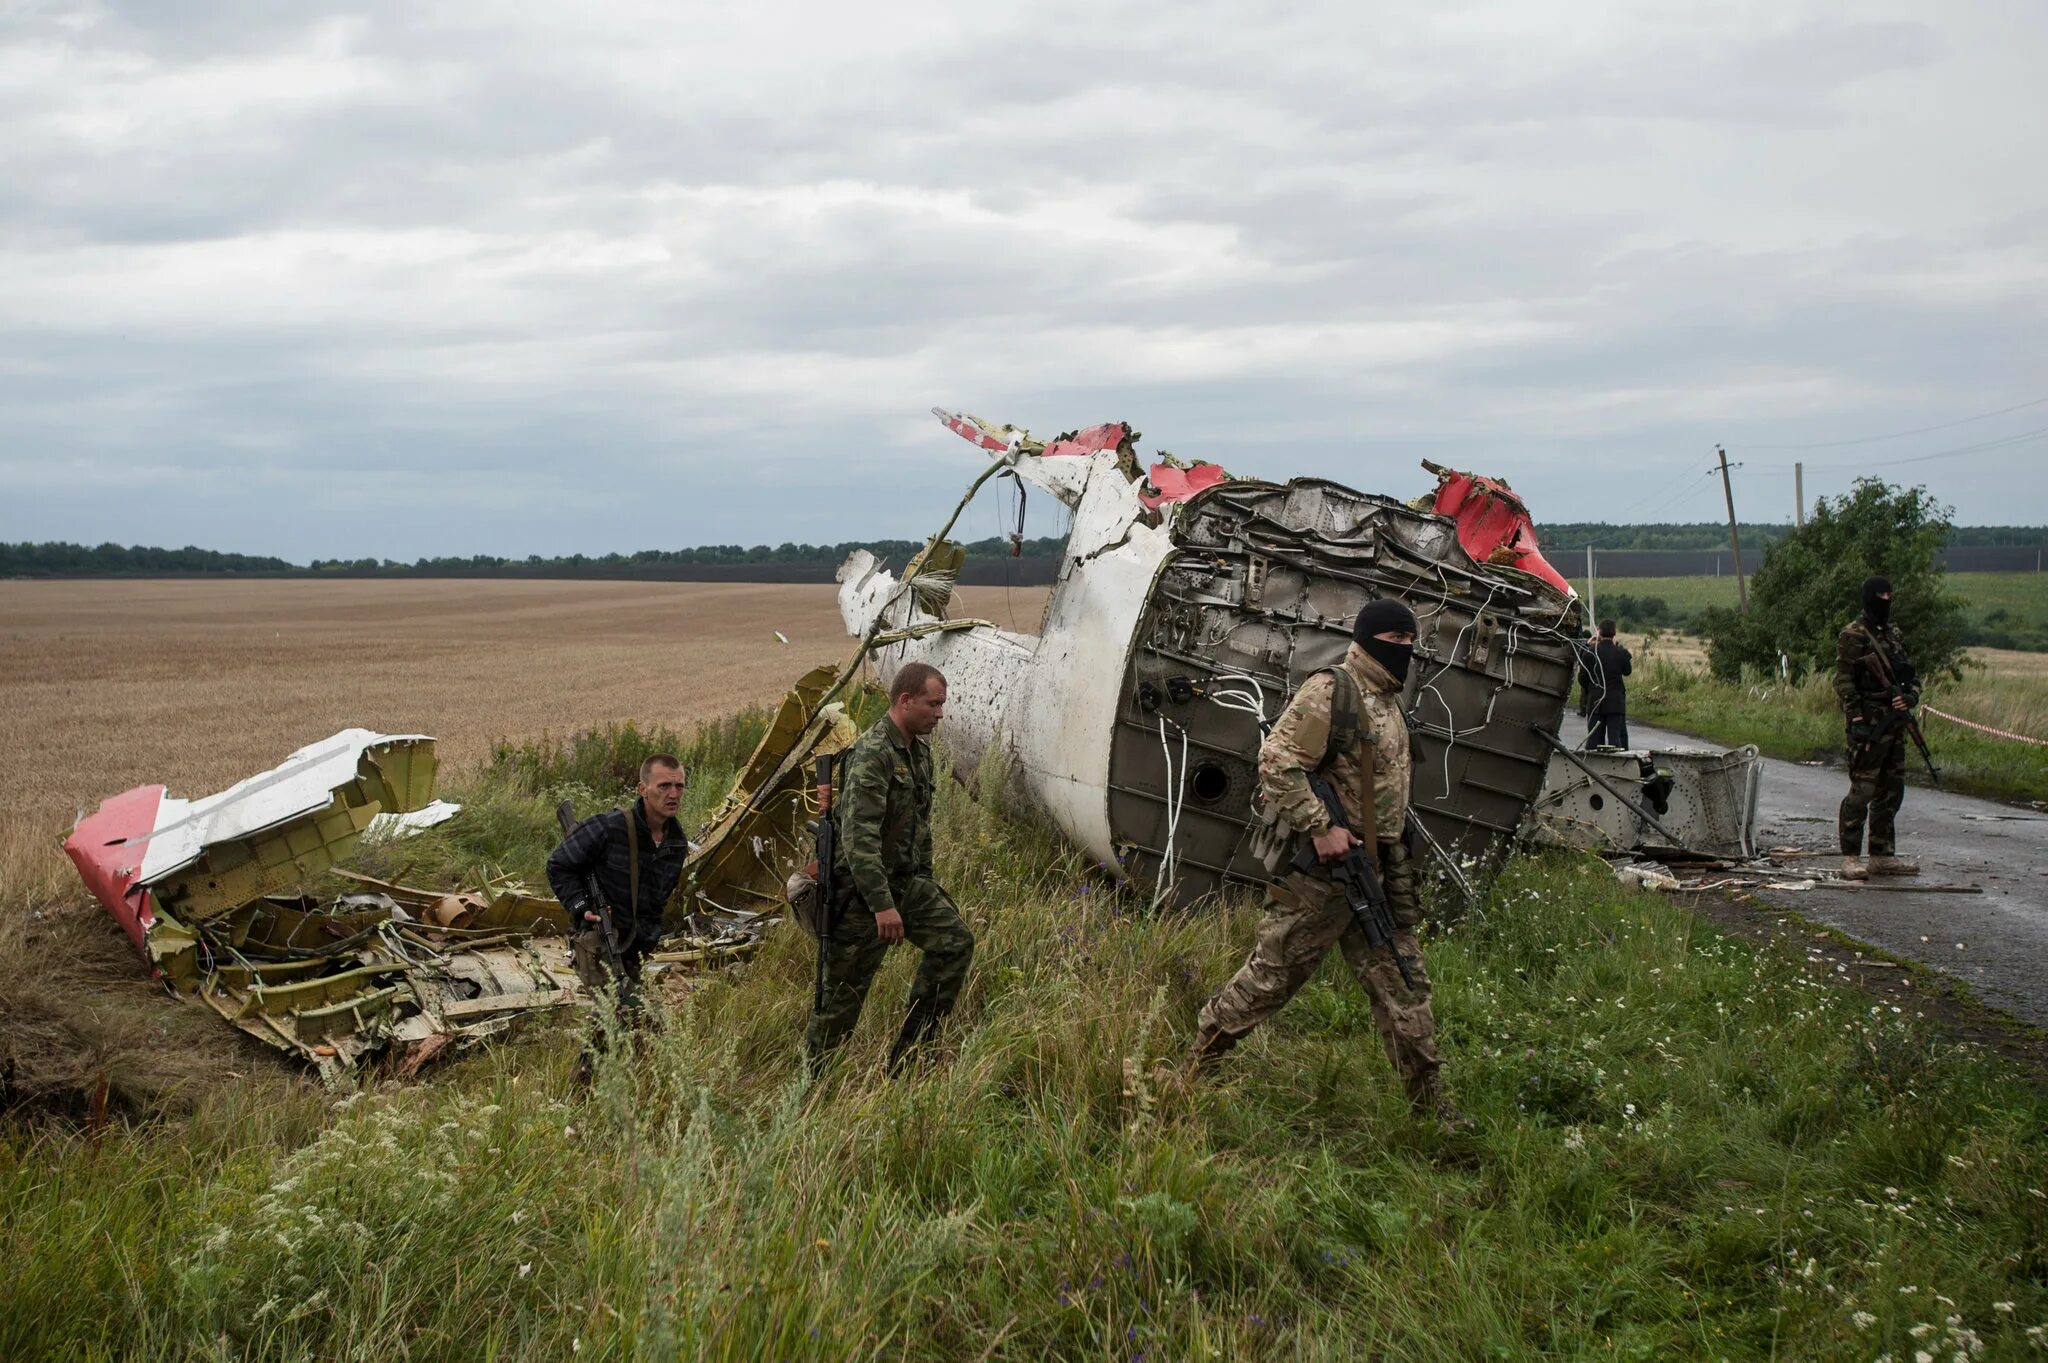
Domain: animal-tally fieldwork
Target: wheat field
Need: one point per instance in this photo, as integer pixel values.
(106, 685)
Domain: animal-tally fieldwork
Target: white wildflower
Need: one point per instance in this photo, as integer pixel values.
(1863, 1320)
(525, 1269)
(2002, 1306)
(1922, 1330)
(1575, 1139)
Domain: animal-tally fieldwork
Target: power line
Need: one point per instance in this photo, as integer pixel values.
(1660, 491)
(2002, 442)
(1898, 435)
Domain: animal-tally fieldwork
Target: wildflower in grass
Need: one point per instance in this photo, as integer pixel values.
(1863, 1320)
(525, 1269)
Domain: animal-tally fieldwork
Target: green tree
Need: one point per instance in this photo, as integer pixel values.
(1810, 586)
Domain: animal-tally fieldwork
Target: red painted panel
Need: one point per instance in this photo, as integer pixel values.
(1177, 485)
(1104, 437)
(1493, 525)
(107, 848)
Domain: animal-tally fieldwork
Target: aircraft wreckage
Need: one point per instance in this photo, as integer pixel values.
(1187, 606)
(208, 891)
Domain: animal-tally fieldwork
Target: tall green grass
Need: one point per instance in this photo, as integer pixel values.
(1684, 1148)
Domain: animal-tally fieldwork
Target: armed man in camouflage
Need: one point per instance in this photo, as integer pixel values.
(1345, 721)
(883, 868)
(1878, 688)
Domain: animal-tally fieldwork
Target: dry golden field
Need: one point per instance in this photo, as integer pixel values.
(106, 685)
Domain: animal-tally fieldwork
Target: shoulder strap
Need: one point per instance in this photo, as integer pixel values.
(633, 860)
(1343, 715)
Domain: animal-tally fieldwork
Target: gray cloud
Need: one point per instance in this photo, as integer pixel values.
(447, 278)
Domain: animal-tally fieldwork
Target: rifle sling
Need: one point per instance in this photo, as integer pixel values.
(1345, 732)
(632, 866)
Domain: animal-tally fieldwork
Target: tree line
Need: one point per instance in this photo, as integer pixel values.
(57, 559)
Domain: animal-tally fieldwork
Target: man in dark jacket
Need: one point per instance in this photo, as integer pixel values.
(636, 855)
(1610, 701)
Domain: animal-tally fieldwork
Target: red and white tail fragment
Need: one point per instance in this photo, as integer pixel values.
(1493, 525)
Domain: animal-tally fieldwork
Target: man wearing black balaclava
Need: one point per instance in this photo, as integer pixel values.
(1345, 722)
(1878, 688)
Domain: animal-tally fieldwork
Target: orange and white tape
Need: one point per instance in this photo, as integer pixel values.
(1985, 728)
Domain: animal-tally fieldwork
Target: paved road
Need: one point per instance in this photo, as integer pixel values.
(2003, 933)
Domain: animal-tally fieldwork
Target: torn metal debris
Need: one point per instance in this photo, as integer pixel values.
(197, 884)
(205, 888)
(1664, 802)
(1189, 604)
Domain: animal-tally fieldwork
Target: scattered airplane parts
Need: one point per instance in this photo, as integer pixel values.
(198, 885)
(203, 887)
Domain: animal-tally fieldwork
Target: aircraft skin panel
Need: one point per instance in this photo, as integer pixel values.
(105, 847)
(302, 784)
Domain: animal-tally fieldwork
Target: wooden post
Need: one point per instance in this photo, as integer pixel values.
(1592, 614)
(1734, 535)
(1799, 496)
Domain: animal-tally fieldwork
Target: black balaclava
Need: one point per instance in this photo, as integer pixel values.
(1385, 616)
(1876, 609)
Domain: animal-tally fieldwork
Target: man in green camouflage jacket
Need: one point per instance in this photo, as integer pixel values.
(883, 871)
(1345, 721)
(1876, 740)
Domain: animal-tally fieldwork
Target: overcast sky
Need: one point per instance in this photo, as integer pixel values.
(434, 278)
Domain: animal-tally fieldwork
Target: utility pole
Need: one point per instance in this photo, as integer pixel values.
(1799, 496)
(1592, 615)
(1734, 535)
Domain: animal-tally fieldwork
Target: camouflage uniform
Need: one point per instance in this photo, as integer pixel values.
(1877, 762)
(884, 860)
(1305, 911)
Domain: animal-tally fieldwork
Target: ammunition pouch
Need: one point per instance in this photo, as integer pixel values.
(1272, 840)
(801, 889)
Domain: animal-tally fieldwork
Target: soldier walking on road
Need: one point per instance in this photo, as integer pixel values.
(1878, 687)
(1346, 722)
(883, 866)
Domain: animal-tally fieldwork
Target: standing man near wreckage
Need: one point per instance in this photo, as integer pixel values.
(635, 857)
(882, 873)
(1878, 689)
(1344, 722)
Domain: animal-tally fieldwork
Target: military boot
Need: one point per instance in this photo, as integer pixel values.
(1853, 868)
(1889, 865)
(1429, 1100)
(1201, 1059)
(1211, 1045)
(919, 1026)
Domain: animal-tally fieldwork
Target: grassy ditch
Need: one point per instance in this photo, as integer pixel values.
(1802, 721)
(1685, 1148)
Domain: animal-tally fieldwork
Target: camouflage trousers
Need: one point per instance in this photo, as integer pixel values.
(931, 924)
(1305, 916)
(1877, 787)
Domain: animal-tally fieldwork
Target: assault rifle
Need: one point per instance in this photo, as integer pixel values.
(1894, 718)
(565, 815)
(828, 847)
(1359, 878)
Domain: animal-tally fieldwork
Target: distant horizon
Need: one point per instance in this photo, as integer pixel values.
(1553, 540)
